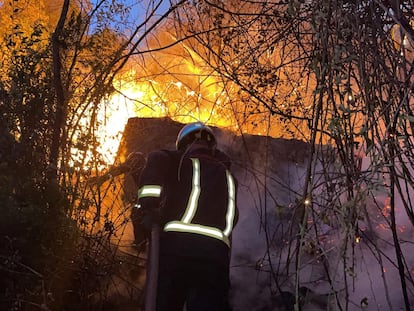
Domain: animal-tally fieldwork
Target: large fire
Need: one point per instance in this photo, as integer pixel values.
(171, 99)
(179, 85)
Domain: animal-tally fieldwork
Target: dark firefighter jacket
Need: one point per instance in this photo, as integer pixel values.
(195, 194)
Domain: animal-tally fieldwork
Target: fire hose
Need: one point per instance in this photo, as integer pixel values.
(152, 270)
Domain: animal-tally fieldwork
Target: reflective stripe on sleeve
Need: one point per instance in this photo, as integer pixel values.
(149, 191)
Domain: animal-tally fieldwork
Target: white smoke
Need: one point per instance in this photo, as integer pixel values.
(268, 179)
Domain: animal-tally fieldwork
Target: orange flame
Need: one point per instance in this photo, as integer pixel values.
(155, 99)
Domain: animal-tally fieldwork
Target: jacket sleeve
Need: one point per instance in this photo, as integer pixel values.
(151, 182)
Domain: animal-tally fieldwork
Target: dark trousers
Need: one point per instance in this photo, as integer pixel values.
(198, 284)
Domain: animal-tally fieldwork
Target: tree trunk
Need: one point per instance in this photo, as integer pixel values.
(60, 94)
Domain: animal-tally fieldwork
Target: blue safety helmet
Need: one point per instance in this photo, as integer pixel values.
(195, 131)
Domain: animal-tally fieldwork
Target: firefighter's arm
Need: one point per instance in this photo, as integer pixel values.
(150, 190)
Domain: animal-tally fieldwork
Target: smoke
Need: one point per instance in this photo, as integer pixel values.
(270, 174)
(334, 272)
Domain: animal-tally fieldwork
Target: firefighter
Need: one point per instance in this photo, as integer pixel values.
(191, 194)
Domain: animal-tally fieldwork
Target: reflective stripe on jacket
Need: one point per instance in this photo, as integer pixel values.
(186, 225)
